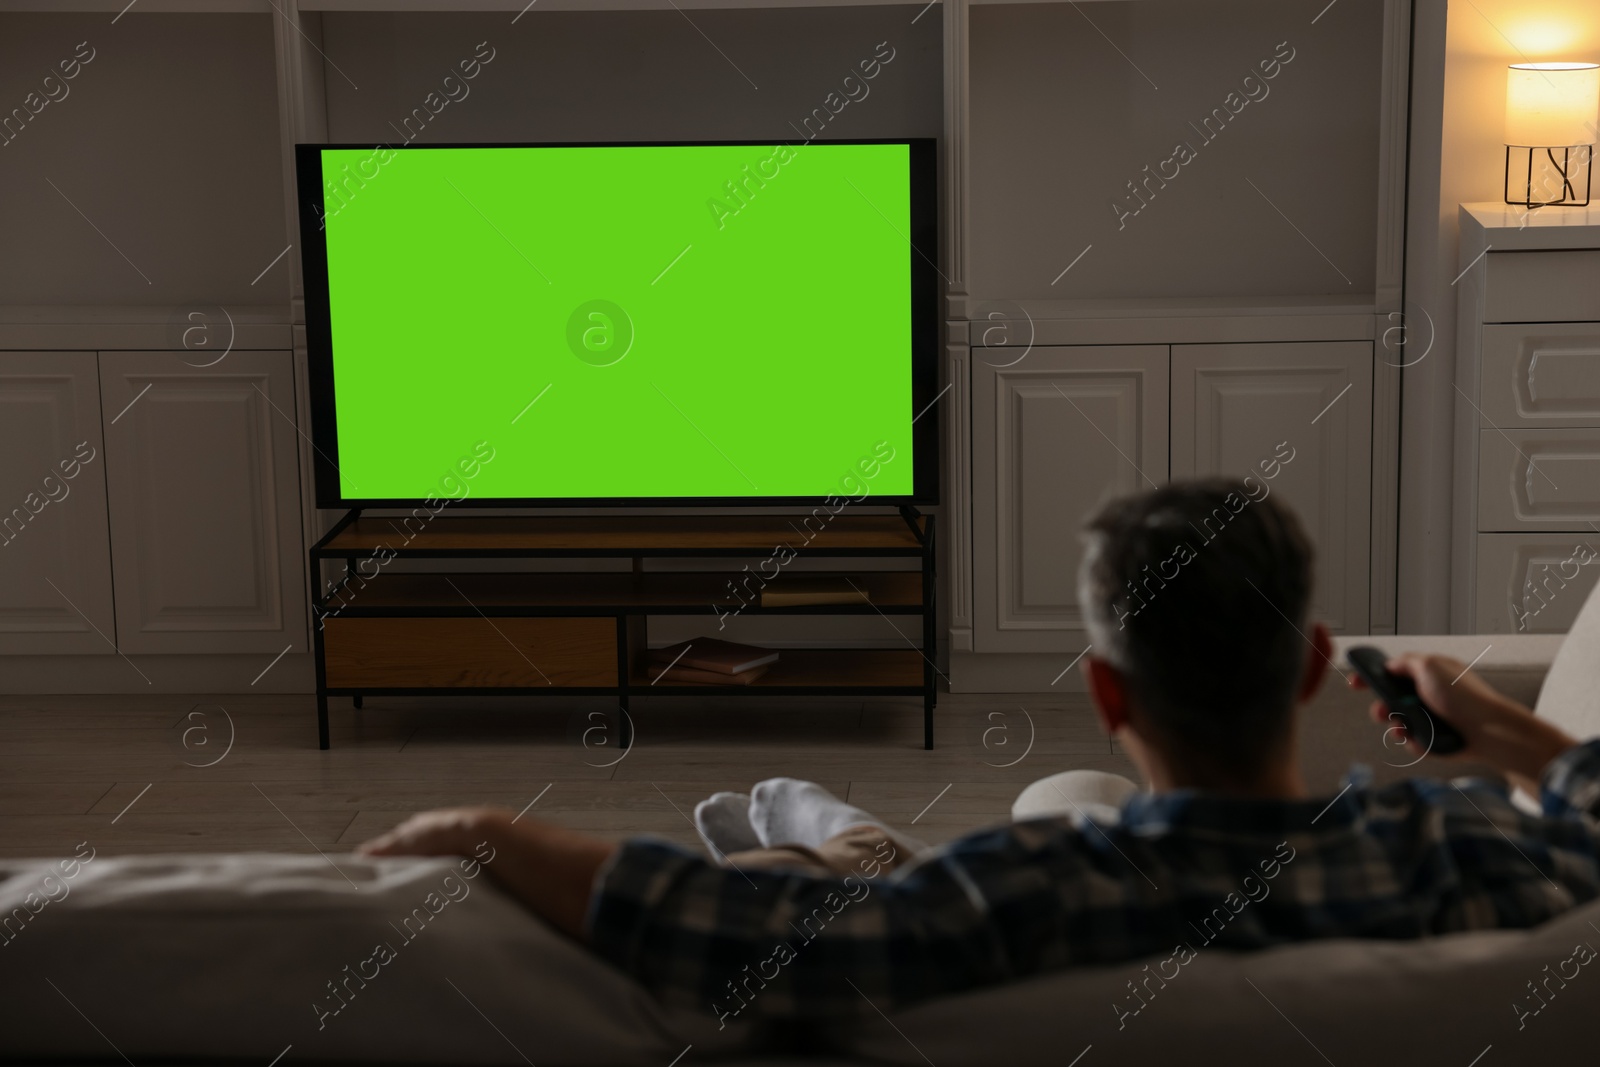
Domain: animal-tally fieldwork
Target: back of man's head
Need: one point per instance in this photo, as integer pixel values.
(1198, 594)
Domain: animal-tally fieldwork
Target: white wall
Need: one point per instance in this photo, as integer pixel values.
(642, 75)
(167, 140)
(1093, 117)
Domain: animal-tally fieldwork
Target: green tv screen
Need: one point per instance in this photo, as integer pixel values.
(630, 323)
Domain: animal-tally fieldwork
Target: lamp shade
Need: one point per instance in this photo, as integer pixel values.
(1552, 105)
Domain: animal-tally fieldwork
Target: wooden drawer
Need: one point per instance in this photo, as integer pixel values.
(1538, 480)
(1541, 375)
(1534, 583)
(425, 653)
(1553, 286)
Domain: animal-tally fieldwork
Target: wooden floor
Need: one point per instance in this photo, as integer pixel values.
(185, 773)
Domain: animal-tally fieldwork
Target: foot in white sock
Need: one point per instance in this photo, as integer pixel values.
(788, 811)
(724, 819)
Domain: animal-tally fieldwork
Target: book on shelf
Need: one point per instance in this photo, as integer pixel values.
(710, 654)
(799, 590)
(692, 676)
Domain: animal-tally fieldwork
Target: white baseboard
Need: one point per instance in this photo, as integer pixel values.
(992, 672)
(221, 674)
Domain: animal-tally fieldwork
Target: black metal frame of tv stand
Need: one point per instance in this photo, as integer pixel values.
(922, 546)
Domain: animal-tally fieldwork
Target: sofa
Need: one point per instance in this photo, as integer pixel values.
(249, 958)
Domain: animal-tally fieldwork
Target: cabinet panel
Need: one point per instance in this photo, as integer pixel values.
(1534, 583)
(1055, 435)
(1233, 406)
(55, 555)
(1538, 479)
(204, 494)
(1541, 375)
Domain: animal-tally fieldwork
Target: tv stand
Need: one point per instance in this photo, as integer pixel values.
(912, 517)
(384, 631)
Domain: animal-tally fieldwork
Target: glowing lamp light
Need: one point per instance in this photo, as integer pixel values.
(1552, 105)
(1552, 122)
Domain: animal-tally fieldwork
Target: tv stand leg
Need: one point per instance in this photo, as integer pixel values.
(927, 721)
(322, 720)
(356, 700)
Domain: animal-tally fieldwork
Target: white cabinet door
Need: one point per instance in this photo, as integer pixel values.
(55, 556)
(1054, 435)
(201, 464)
(1233, 406)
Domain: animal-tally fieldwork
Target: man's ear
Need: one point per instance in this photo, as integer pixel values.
(1316, 670)
(1108, 691)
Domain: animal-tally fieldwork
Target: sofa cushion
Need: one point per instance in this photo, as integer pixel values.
(239, 956)
(1443, 1000)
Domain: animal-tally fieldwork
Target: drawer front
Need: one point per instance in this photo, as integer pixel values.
(423, 653)
(1556, 286)
(1534, 583)
(1541, 375)
(1538, 480)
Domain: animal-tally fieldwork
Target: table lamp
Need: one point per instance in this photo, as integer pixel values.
(1552, 116)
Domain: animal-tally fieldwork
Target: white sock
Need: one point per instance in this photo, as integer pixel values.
(788, 811)
(724, 819)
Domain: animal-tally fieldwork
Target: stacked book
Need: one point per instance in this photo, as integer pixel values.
(806, 590)
(707, 661)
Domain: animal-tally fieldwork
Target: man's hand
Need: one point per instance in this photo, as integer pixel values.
(1498, 730)
(551, 870)
(447, 832)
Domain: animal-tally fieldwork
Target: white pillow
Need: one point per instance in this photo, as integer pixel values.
(1570, 697)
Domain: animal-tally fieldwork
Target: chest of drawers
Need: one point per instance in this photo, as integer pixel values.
(1527, 530)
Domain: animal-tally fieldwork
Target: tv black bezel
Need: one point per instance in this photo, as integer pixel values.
(922, 253)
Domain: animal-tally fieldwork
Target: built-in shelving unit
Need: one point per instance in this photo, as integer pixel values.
(515, 6)
(1285, 232)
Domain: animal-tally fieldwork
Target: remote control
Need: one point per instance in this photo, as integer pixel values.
(1399, 693)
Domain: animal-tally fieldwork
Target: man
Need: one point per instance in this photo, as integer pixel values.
(1197, 598)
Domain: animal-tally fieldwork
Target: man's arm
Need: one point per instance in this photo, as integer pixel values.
(549, 869)
(1498, 730)
(774, 943)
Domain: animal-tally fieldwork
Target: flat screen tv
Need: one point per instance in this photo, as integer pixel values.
(571, 325)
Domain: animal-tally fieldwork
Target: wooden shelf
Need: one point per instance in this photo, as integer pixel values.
(1213, 320)
(123, 328)
(817, 669)
(463, 536)
(607, 593)
(465, 653)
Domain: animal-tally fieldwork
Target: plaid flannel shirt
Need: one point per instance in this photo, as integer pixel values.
(1180, 869)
